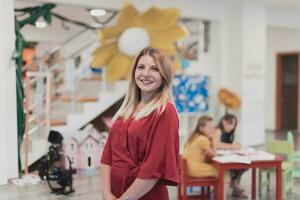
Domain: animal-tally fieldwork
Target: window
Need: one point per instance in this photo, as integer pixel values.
(91, 145)
(72, 146)
(86, 146)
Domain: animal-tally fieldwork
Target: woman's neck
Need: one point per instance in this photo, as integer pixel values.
(146, 98)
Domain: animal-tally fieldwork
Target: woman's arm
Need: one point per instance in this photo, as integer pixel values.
(209, 153)
(105, 171)
(138, 189)
(218, 144)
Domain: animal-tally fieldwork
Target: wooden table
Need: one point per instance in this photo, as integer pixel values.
(276, 163)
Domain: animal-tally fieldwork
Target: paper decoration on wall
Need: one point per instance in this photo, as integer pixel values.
(191, 93)
(229, 99)
(119, 44)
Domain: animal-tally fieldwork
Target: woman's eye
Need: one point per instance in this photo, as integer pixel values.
(155, 69)
(140, 67)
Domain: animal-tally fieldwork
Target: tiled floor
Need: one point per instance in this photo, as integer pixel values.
(87, 186)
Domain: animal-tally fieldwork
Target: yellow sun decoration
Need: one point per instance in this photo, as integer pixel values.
(119, 44)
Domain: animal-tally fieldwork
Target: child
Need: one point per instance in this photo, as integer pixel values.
(223, 139)
(198, 149)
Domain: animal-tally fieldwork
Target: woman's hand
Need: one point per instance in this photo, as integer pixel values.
(209, 154)
(109, 196)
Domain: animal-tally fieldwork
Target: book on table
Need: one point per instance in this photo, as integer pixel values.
(245, 156)
(243, 151)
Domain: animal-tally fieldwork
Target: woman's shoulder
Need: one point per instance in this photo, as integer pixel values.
(117, 123)
(170, 108)
(169, 112)
(170, 105)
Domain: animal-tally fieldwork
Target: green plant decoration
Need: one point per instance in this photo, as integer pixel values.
(34, 14)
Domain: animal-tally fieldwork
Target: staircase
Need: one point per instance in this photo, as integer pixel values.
(106, 98)
(76, 97)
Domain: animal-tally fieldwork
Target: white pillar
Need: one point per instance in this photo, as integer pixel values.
(244, 60)
(8, 115)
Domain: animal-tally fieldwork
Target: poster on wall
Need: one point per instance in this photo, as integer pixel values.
(191, 93)
(196, 42)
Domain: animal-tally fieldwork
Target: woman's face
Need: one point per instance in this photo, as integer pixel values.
(228, 125)
(208, 129)
(147, 76)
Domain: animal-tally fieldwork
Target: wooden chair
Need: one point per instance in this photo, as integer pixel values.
(187, 181)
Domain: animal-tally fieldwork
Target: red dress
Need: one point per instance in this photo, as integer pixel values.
(147, 148)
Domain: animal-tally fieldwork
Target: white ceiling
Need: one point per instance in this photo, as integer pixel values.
(58, 31)
(78, 10)
(286, 4)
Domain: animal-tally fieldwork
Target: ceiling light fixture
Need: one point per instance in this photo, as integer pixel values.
(97, 12)
(40, 24)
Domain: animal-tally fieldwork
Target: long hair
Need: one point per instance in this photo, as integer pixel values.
(230, 118)
(162, 96)
(202, 121)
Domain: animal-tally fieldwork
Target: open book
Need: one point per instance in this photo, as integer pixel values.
(246, 159)
(243, 151)
(232, 158)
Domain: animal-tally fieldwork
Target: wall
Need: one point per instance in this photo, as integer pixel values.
(278, 40)
(285, 18)
(253, 73)
(8, 119)
(209, 63)
(243, 46)
(240, 46)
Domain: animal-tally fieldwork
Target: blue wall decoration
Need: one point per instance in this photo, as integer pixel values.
(191, 93)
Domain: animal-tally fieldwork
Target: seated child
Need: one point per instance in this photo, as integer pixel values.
(223, 139)
(198, 149)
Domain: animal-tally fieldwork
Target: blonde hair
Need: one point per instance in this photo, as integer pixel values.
(202, 121)
(160, 99)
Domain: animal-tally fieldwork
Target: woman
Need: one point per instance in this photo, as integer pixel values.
(198, 149)
(223, 139)
(141, 154)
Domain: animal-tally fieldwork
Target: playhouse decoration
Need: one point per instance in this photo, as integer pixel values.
(119, 44)
(85, 147)
(191, 93)
(229, 99)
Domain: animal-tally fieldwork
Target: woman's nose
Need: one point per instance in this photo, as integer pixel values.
(146, 72)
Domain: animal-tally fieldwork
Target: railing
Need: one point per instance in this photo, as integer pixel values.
(42, 87)
(65, 69)
(60, 46)
(37, 108)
